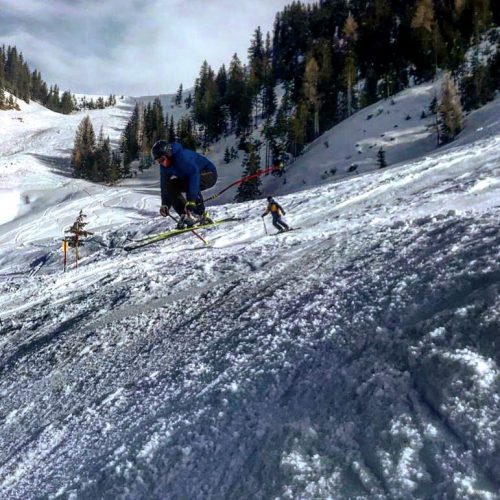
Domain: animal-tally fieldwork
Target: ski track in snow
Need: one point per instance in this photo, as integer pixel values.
(356, 357)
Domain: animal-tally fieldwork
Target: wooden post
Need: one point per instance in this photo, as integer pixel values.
(76, 247)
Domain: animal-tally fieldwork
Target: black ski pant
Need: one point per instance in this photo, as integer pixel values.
(176, 187)
(279, 223)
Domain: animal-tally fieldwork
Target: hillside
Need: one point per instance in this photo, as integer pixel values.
(353, 357)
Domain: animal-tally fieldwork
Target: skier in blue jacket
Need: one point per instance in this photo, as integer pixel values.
(183, 171)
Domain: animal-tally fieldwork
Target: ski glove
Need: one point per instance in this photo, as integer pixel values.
(190, 207)
(164, 210)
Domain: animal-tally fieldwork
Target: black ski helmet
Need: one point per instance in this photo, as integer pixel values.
(161, 148)
(269, 199)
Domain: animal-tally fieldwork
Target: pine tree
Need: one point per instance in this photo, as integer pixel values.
(481, 16)
(131, 142)
(116, 166)
(427, 29)
(238, 97)
(66, 103)
(450, 111)
(269, 99)
(278, 134)
(297, 128)
(82, 156)
(125, 170)
(382, 163)
(207, 104)
(12, 69)
(11, 103)
(433, 106)
(250, 190)
(185, 133)
(200, 88)
(102, 160)
(256, 61)
(53, 101)
(24, 80)
(350, 34)
(221, 82)
(291, 40)
(171, 130)
(256, 69)
(23, 83)
(154, 126)
(477, 88)
(2, 66)
(2, 96)
(311, 81)
(78, 234)
(328, 85)
(178, 96)
(227, 156)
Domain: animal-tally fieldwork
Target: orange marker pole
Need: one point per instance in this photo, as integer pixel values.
(65, 251)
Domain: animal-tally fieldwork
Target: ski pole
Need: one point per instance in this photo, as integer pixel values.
(264, 222)
(242, 180)
(192, 230)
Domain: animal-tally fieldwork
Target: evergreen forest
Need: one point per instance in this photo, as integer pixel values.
(330, 59)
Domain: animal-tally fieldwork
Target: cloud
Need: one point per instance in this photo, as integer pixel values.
(129, 46)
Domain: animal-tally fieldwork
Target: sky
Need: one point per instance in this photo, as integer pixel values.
(131, 47)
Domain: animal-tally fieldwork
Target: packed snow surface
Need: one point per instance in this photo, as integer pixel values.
(354, 357)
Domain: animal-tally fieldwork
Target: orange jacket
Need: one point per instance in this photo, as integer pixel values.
(275, 208)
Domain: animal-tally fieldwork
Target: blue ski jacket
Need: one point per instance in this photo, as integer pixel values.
(186, 165)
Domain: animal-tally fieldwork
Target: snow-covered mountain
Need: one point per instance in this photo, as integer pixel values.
(355, 357)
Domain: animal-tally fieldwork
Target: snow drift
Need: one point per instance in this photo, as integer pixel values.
(356, 357)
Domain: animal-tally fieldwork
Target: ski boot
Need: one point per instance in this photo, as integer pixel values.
(185, 221)
(205, 219)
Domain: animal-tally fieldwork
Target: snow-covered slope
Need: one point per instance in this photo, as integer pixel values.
(35, 174)
(356, 357)
(402, 126)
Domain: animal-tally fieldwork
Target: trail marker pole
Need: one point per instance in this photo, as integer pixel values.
(65, 251)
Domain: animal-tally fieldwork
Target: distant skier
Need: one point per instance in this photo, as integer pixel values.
(183, 171)
(276, 211)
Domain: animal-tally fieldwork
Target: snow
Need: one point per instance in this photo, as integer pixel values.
(356, 357)
(10, 201)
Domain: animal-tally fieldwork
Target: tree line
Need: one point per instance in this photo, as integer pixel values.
(17, 79)
(326, 61)
(99, 103)
(337, 56)
(334, 57)
(148, 124)
(92, 157)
